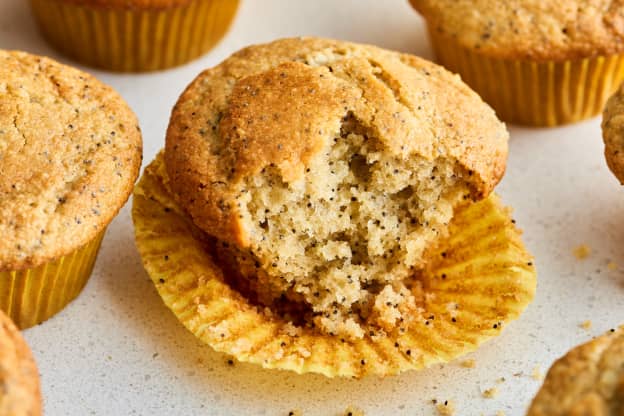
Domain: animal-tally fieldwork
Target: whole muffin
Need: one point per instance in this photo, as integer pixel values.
(20, 394)
(537, 62)
(613, 133)
(588, 380)
(70, 152)
(134, 35)
(317, 179)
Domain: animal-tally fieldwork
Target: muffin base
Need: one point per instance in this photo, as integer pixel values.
(31, 296)
(534, 93)
(131, 40)
(481, 279)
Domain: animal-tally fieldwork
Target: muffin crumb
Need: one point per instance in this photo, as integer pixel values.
(537, 374)
(582, 251)
(490, 393)
(353, 411)
(446, 408)
(469, 363)
(586, 324)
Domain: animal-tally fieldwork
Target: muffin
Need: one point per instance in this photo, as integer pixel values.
(588, 380)
(306, 190)
(536, 62)
(134, 35)
(613, 133)
(70, 152)
(20, 394)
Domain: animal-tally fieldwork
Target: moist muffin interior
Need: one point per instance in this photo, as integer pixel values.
(345, 239)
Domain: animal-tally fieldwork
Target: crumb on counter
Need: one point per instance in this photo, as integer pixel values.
(446, 408)
(490, 393)
(469, 363)
(500, 380)
(500, 413)
(612, 266)
(353, 411)
(537, 374)
(295, 412)
(586, 324)
(581, 252)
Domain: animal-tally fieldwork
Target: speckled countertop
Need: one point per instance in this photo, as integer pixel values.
(117, 350)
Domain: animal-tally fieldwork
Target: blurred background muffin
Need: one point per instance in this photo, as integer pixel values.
(587, 381)
(134, 35)
(613, 133)
(70, 152)
(536, 62)
(20, 393)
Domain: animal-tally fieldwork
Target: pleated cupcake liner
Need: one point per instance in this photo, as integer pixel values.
(134, 40)
(31, 296)
(534, 93)
(480, 279)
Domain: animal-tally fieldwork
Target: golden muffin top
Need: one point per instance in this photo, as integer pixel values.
(19, 380)
(279, 104)
(613, 133)
(530, 29)
(70, 152)
(588, 380)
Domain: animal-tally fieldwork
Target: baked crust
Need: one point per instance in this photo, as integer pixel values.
(20, 393)
(613, 133)
(588, 380)
(70, 152)
(542, 30)
(277, 104)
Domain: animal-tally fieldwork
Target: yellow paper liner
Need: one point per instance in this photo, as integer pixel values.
(31, 296)
(482, 279)
(534, 93)
(133, 40)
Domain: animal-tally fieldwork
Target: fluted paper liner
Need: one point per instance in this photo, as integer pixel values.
(30, 296)
(134, 40)
(534, 93)
(481, 279)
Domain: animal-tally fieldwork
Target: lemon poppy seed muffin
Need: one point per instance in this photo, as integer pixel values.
(588, 380)
(326, 170)
(70, 152)
(537, 62)
(134, 35)
(19, 380)
(613, 133)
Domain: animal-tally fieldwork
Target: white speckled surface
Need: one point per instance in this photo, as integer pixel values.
(117, 350)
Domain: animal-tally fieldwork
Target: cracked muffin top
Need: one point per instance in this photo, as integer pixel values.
(530, 29)
(20, 393)
(588, 380)
(328, 168)
(70, 152)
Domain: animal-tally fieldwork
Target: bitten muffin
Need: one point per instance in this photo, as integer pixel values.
(305, 193)
(588, 380)
(134, 35)
(613, 133)
(70, 152)
(330, 168)
(537, 62)
(20, 394)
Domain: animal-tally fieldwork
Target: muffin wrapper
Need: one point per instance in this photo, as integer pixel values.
(134, 40)
(482, 279)
(31, 296)
(534, 93)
